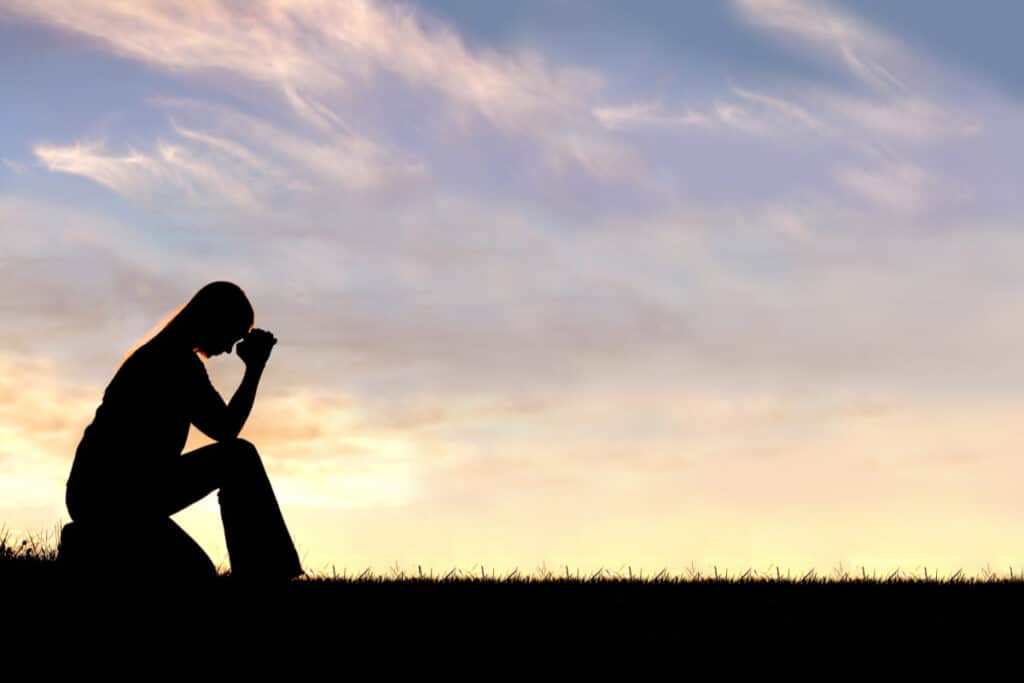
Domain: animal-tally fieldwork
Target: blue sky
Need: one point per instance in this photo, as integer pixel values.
(734, 273)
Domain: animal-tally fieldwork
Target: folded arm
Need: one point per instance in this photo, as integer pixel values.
(223, 422)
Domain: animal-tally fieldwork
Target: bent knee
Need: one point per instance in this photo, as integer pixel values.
(242, 445)
(242, 450)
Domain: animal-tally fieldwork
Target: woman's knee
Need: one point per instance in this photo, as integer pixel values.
(243, 452)
(242, 445)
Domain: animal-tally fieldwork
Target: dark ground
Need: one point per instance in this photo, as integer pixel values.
(515, 611)
(121, 614)
(490, 630)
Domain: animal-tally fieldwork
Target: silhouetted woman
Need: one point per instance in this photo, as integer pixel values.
(129, 473)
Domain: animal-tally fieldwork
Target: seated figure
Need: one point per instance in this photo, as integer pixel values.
(129, 473)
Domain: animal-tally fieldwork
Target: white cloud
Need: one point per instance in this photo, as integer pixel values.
(755, 113)
(914, 107)
(902, 118)
(778, 107)
(143, 176)
(347, 71)
(861, 48)
(320, 55)
(740, 118)
(232, 150)
(896, 186)
(212, 168)
(128, 174)
(646, 115)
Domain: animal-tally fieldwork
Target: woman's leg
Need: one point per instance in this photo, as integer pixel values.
(257, 538)
(123, 514)
(171, 554)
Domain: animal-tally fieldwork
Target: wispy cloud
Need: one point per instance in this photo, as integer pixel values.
(900, 187)
(645, 115)
(341, 160)
(125, 174)
(169, 169)
(902, 119)
(320, 54)
(782, 108)
(915, 106)
(221, 167)
(750, 112)
(346, 72)
(866, 52)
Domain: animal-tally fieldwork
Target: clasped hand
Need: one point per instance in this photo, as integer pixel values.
(254, 349)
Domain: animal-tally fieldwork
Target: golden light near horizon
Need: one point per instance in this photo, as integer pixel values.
(677, 287)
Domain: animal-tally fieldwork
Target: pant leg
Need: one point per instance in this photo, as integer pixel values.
(257, 538)
(154, 547)
(171, 554)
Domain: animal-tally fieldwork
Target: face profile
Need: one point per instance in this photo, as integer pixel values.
(216, 318)
(220, 342)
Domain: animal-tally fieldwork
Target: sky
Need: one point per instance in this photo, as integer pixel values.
(556, 284)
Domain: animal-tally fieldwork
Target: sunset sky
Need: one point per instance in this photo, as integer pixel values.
(590, 283)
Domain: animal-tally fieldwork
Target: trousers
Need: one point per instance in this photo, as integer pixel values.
(139, 507)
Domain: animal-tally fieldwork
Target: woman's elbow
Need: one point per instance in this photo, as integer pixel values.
(227, 434)
(221, 431)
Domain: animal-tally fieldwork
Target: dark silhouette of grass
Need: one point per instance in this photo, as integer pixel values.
(39, 553)
(544, 606)
(28, 556)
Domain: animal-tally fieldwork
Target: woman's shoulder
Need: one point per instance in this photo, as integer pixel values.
(152, 359)
(166, 351)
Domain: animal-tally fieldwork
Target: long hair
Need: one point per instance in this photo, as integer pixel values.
(221, 302)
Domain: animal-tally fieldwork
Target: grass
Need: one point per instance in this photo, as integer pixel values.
(38, 551)
(544, 606)
(663, 577)
(28, 554)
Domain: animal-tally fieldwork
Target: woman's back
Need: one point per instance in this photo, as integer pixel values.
(143, 419)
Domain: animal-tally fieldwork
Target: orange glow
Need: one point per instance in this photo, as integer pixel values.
(906, 484)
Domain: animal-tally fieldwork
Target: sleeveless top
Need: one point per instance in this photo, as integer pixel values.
(143, 420)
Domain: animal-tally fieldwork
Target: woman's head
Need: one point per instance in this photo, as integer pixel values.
(217, 316)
